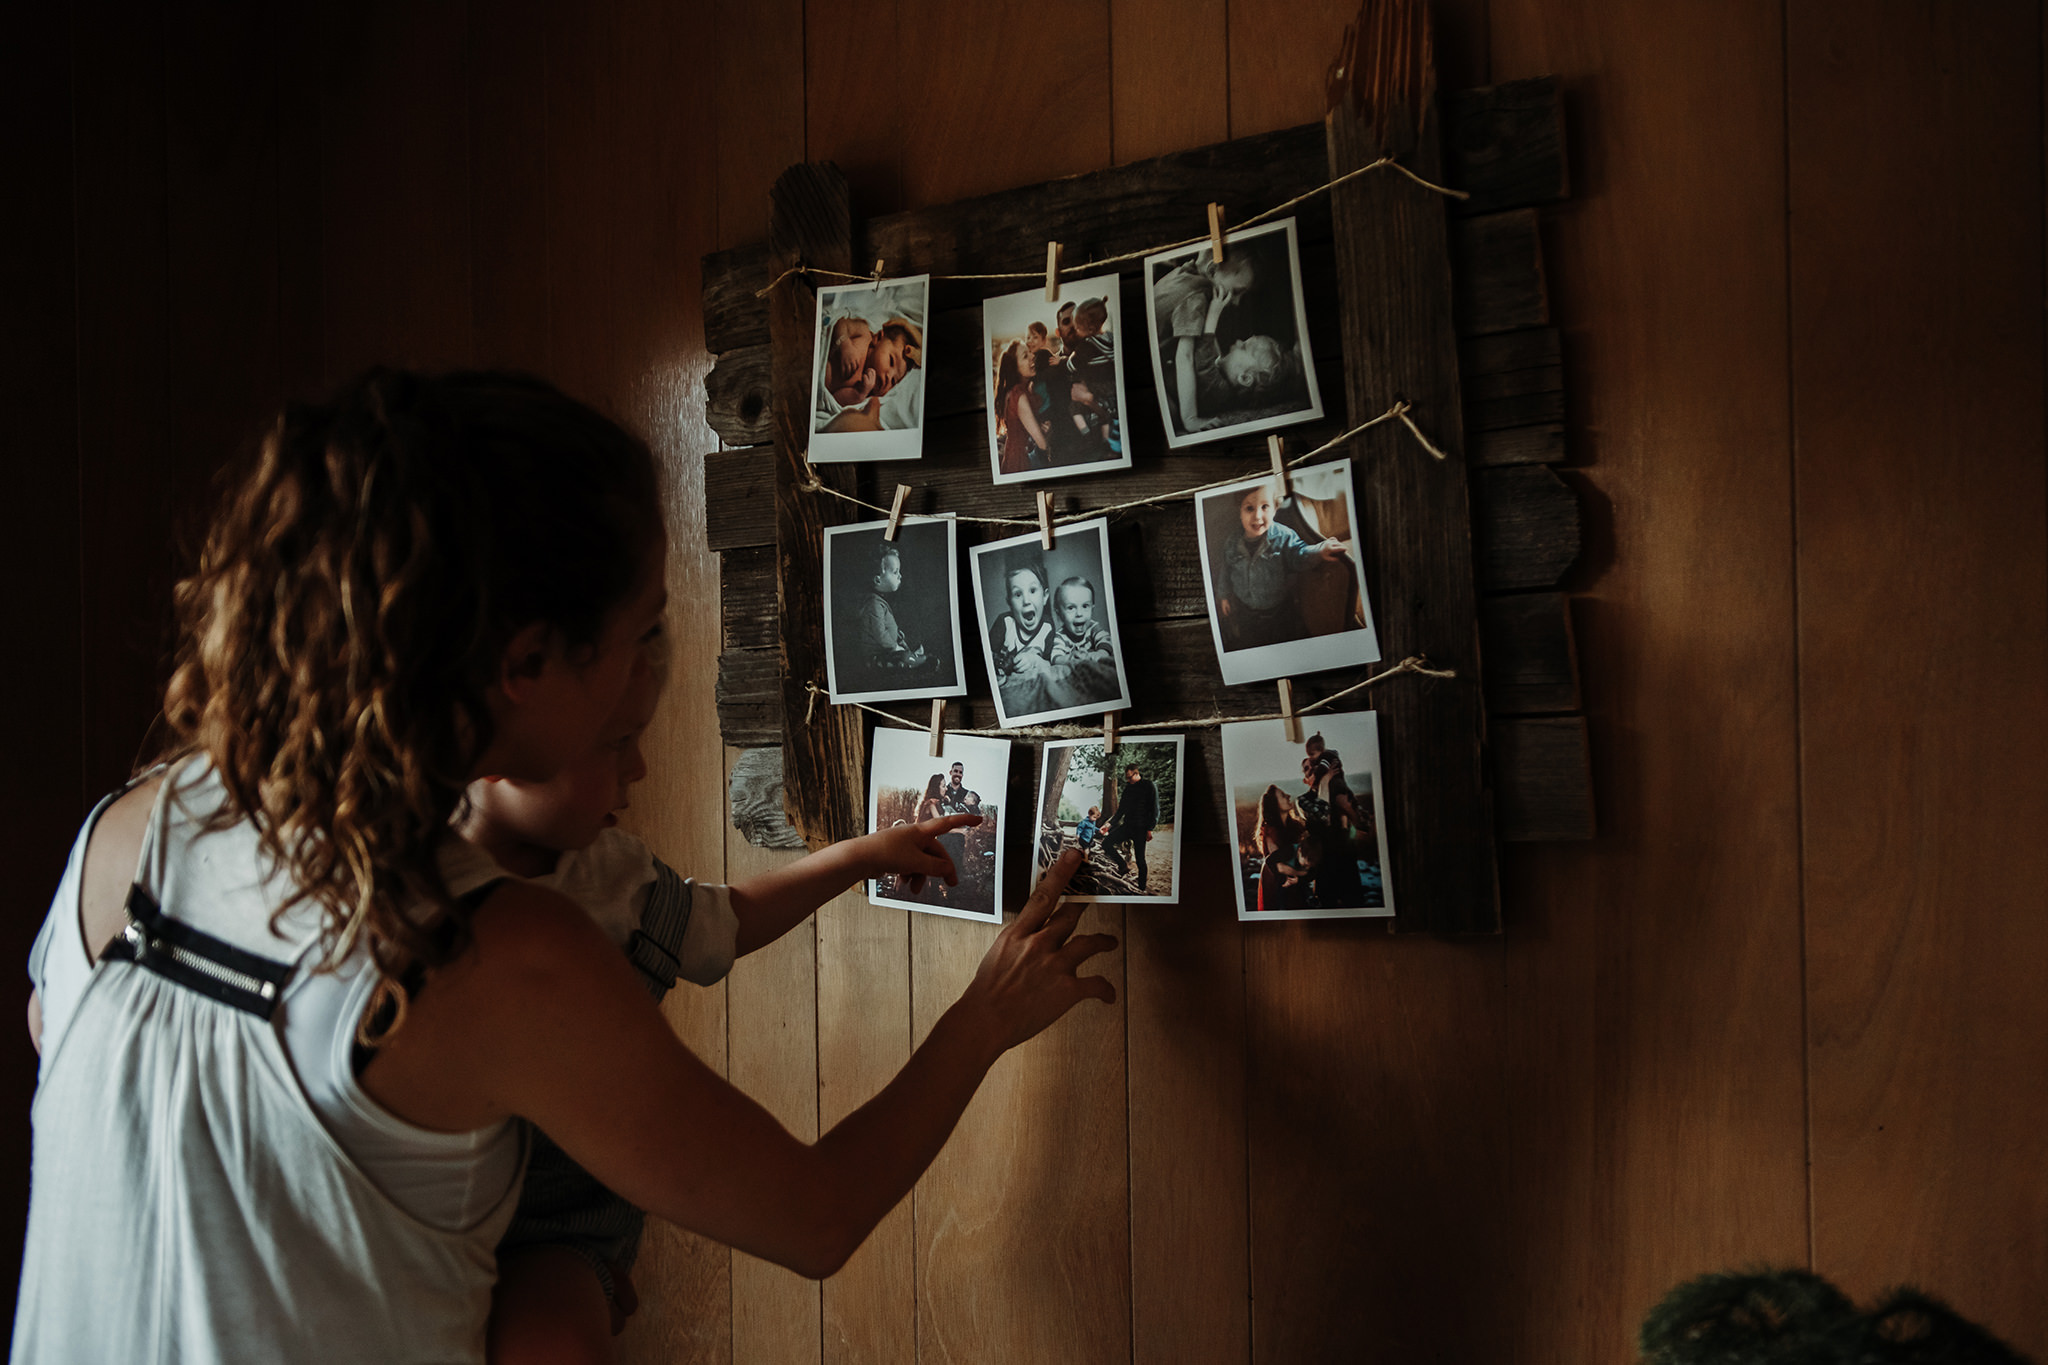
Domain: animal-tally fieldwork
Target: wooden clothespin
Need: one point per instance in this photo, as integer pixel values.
(1216, 233)
(896, 512)
(1109, 731)
(1044, 520)
(1052, 272)
(1277, 448)
(938, 727)
(878, 272)
(1288, 718)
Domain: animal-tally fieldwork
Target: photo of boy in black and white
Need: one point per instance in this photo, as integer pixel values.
(1285, 582)
(1053, 648)
(892, 618)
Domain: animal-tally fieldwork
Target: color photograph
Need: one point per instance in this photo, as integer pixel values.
(1308, 818)
(1284, 579)
(1231, 337)
(1056, 391)
(1049, 617)
(892, 611)
(867, 373)
(1121, 809)
(906, 785)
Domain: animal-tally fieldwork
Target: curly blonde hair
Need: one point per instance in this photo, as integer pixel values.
(362, 576)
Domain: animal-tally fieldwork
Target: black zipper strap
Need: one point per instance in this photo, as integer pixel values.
(213, 967)
(656, 946)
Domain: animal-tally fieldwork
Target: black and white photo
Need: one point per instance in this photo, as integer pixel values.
(906, 785)
(867, 372)
(892, 611)
(1049, 617)
(1055, 387)
(1284, 578)
(1308, 818)
(1120, 809)
(1230, 338)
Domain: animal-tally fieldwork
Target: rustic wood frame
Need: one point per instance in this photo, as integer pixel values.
(1446, 309)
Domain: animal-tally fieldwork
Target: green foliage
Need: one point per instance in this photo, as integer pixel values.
(1794, 1317)
(1155, 762)
(1067, 811)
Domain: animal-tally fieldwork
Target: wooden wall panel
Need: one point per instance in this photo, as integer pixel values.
(1921, 524)
(1653, 1078)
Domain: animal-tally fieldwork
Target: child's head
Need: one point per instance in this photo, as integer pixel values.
(569, 810)
(895, 352)
(1315, 745)
(1235, 273)
(1091, 317)
(888, 568)
(1035, 337)
(1025, 588)
(1094, 812)
(1255, 510)
(421, 580)
(1259, 365)
(1076, 603)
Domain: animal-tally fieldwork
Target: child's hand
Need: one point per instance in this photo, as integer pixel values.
(1223, 606)
(913, 852)
(1332, 549)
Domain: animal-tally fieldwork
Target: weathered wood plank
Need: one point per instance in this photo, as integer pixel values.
(750, 697)
(1543, 779)
(1504, 145)
(1530, 664)
(1518, 445)
(738, 402)
(747, 598)
(733, 315)
(1525, 527)
(1500, 285)
(823, 760)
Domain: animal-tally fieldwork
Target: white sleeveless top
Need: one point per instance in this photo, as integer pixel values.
(187, 1201)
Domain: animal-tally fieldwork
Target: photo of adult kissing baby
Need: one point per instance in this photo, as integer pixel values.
(867, 372)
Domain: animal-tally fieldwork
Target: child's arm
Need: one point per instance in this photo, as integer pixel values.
(1186, 389)
(770, 904)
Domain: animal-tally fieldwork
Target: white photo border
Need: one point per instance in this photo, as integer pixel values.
(1098, 526)
(1260, 731)
(958, 687)
(1180, 790)
(918, 745)
(847, 447)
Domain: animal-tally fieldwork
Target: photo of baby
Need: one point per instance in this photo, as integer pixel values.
(1050, 620)
(1231, 337)
(906, 785)
(1310, 834)
(1286, 587)
(1122, 810)
(1056, 391)
(892, 612)
(867, 374)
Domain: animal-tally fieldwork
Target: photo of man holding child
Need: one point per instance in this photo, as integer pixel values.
(1121, 809)
(1285, 584)
(1049, 617)
(892, 612)
(1309, 822)
(906, 785)
(867, 372)
(1055, 389)
(1230, 337)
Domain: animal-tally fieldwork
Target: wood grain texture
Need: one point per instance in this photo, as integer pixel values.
(44, 797)
(1924, 801)
(1504, 145)
(1652, 1078)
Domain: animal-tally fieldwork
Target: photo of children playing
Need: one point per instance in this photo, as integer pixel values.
(906, 785)
(892, 614)
(1308, 819)
(1122, 810)
(1286, 590)
(867, 380)
(1231, 337)
(1055, 391)
(1050, 620)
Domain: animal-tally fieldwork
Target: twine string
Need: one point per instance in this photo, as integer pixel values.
(1123, 258)
(1414, 663)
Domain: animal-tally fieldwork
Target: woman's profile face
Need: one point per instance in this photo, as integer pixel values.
(1027, 364)
(1027, 598)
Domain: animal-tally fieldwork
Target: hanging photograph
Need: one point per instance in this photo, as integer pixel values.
(1049, 617)
(867, 376)
(907, 785)
(1308, 818)
(1285, 582)
(1056, 392)
(1122, 810)
(892, 612)
(1231, 338)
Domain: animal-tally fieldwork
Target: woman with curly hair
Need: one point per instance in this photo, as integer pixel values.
(291, 1022)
